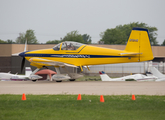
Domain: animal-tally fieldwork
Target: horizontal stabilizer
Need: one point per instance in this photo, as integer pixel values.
(127, 54)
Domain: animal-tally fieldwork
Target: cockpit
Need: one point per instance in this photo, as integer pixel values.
(68, 45)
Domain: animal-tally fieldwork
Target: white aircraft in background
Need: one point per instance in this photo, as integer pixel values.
(158, 74)
(29, 75)
(137, 77)
(70, 76)
(58, 77)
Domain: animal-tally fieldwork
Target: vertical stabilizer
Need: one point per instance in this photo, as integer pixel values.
(139, 42)
(28, 71)
(156, 73)
(104, 77)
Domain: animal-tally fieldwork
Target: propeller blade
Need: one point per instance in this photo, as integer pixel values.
(22, 54)
(22, 64)
(25, 45)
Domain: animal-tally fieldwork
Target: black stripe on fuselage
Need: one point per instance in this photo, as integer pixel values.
(72, 56)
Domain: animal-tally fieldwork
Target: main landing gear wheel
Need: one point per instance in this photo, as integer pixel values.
(59, 81)
(71, 79)
(34, 80)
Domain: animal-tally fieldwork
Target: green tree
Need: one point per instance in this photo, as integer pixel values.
(2, 41)
(21, 38)
(163, 44)
(73, 36)
(113, 36)
(10, 41)
(120, 34)
(53, 41)
(86, 38)
(29, 35)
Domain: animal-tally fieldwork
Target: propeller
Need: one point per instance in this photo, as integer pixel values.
(22, 64)
(23, 55)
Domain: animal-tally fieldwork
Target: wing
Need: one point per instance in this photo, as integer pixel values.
(49, 62)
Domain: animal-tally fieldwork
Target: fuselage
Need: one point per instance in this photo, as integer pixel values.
(83, 56)
(8, 76)
(140, 77)
(5, 76)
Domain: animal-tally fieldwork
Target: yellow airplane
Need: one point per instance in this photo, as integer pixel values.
(76, 54)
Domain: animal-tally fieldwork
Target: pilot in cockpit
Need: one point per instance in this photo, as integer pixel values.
(71, 47)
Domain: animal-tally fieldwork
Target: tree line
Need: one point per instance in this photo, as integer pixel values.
(73, 36)
(117, 35)
(31, 38)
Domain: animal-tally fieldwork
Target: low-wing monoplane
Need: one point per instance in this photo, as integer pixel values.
(74, 54)
(137, 77)
(14, 77)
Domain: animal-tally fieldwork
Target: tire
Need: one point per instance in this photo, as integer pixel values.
(72, 79)
(34, 80)
(59, 81)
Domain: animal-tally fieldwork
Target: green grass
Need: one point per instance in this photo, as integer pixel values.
(89, 78)
(66, 107)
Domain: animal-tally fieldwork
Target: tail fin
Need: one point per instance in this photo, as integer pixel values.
(28, 71)
(139, 44)
(104, 77)
(156, 72)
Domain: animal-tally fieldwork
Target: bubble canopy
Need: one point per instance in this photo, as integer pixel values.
(67, 45)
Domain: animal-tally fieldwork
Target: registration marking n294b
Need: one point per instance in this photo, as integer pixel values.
(133, 40)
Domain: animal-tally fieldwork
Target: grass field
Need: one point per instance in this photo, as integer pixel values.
(66, 107)
(89, 78)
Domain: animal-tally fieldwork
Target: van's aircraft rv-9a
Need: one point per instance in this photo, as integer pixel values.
(75, 54)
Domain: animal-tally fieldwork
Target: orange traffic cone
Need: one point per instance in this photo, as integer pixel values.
(133, 97)
(79, 97)
(101, 98)
(23, 96)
